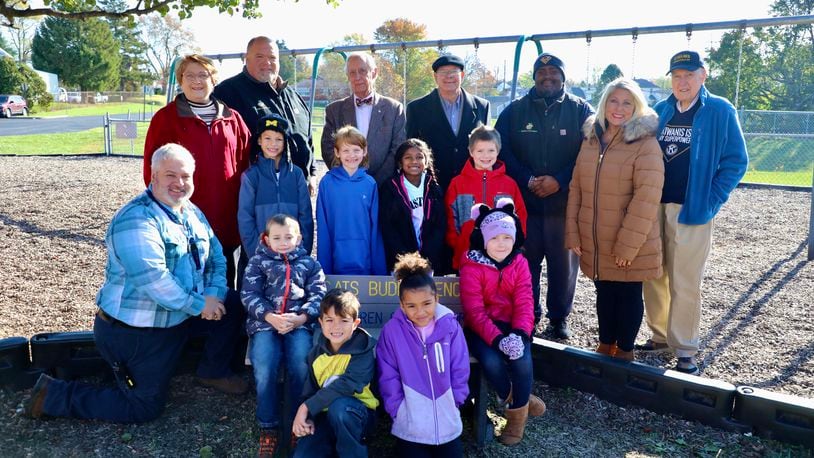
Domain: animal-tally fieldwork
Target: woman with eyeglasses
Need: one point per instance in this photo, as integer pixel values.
(219, 141)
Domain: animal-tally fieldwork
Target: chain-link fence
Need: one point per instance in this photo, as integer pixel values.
(125, 136)
(781, 146)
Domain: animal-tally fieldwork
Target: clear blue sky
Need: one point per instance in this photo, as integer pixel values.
(313, 24)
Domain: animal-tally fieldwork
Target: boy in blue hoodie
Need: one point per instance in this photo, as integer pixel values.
(271, 186)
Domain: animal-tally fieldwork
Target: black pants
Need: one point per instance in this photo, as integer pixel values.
(619, 308)
(451, 449)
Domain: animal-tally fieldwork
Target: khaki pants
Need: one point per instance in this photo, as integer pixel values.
(673, 301)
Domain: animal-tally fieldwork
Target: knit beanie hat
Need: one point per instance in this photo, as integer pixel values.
(549, 59)
(273, 122)
(490, 222)
(497, 223)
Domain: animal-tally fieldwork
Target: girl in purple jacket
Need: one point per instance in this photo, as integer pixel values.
(423, 366)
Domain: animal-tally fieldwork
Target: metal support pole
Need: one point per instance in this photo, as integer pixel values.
(518, 48)
(171, 80)
(811, 223)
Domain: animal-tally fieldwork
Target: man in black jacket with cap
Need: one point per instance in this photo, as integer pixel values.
(542, 135)
(445, 117)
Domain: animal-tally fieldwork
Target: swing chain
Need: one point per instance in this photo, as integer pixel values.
(688, 31)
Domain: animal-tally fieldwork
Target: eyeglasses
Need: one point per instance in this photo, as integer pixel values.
(448, 73)
(196, 76)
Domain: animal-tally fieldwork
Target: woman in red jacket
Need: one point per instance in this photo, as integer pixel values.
(219, 141)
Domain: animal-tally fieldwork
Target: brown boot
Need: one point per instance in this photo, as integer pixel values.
(613, 349)
(536, 406)
(515, 425)
(624, 355)
(605, 349)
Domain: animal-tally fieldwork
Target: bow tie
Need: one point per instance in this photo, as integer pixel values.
(366, 101)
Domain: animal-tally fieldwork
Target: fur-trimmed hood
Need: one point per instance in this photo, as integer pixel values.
(636, 128)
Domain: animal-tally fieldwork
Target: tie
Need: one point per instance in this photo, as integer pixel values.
(366, 101)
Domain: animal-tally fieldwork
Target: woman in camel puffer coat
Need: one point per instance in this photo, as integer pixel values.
(612, 211)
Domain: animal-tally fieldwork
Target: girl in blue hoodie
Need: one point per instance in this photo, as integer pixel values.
(349, 240)
(423, 366)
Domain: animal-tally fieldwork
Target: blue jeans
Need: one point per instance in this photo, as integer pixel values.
(150, 356)
(267, 349)
(502, 373)
(339, 431)
(546, 240)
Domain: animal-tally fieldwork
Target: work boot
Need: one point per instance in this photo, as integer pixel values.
(33, 407)
(268, 443)
(536, 406)
(515, 425)
(232, 384)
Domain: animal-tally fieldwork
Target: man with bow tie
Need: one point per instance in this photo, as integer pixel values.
(381, 119)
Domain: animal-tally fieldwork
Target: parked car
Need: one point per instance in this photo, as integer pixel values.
(11, 105)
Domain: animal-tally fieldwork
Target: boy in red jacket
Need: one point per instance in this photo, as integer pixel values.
(483, 180)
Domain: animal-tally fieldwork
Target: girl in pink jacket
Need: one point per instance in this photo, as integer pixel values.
(499, 312)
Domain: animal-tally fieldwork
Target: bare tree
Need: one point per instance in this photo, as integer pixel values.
(166, 39)
(21, 35)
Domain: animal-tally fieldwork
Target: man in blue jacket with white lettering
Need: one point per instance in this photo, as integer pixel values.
(704, 160)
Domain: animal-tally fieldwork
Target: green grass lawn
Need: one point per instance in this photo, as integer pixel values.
(84, 142)
(781, 178)
(99, 109)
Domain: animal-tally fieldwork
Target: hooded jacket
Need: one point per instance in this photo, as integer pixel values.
(221, 153)
(347, 372)
(349, 240)
(718, 158)
(496, 300)
(477, 186)
(422, 383)
(396, 221)
(263, 194)
(614, 200)
(281, 283)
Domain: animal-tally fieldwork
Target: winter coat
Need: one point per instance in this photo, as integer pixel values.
(496, 301)
(348, 238)
(614, 200)
(396, 221)
(281, 283)
(718, 158)
(422, 383)
(347, 372)
(263, 195)
(221, 153)
(476, 186)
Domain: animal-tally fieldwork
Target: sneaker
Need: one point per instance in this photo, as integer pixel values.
(233, 384)
(268, 443)
(652, 347)
(687, 365)
(559, 329)
(33, 406)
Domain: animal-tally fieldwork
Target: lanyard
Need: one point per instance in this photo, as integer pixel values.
(192, 247)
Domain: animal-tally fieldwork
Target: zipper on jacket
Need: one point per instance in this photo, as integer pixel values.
(429, 377)
(596, 204)
(483, 199)
(287, 282)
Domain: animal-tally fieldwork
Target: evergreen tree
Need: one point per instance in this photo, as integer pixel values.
(82, 53)
(133, 70)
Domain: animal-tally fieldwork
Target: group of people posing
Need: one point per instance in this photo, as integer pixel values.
(627, 193)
